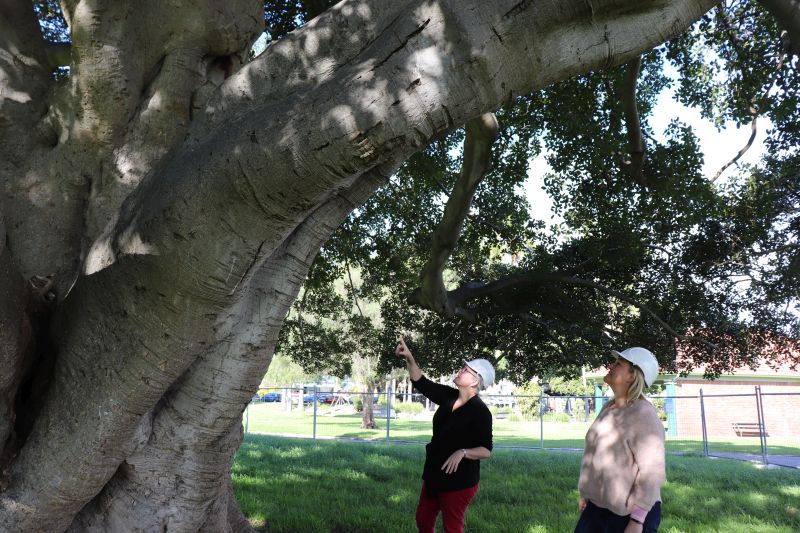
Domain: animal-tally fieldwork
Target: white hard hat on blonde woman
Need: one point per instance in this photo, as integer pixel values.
(642, 359)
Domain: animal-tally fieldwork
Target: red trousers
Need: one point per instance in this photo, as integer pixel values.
(453, 506)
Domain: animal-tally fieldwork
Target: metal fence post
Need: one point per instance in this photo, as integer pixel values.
(703, 421)
(314, 436)
(670, 408)
(598, 400)
(762, 425)
(388, 409)
(541, 419)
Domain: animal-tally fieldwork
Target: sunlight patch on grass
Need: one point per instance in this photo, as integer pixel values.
(757, 498)
(258, 522)
(294, 477)
(536, 529)
(353, 475)
(791, 491)
(295, 452)
(254, 454)
(403, 496)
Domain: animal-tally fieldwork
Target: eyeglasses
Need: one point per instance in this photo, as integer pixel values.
(468, 369)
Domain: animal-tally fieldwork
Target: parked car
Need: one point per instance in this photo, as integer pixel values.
(271, 397)
(309, 398)
(501, 401)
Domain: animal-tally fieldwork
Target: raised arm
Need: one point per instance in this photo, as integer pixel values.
(403, 351)
(435, 392)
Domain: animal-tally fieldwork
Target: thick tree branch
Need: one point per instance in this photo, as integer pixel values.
(480, 135)
(14, 328)
(24, 80)
(352, 291)
(158, 81)
(787, 16)
(636, 145)
(182, 428)
(570, 35)
(127, 103)
(753, 108)
(298, 61)
(753, 131)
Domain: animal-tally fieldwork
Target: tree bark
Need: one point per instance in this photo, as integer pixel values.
(787, 15)
(176, 199)
(177, 476)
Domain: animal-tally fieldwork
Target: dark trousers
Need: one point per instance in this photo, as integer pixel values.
(453, 506)
(596, 519)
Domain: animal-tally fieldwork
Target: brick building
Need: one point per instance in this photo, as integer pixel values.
(730, 400)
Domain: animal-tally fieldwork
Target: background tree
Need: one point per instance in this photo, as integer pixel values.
(164, 197)
(284, 372)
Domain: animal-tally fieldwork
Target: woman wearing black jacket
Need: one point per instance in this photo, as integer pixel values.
(462, 436)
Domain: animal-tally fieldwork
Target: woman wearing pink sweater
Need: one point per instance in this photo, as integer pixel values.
(623, 460)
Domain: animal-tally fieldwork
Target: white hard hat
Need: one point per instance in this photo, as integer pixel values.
(484, 368)
(642, 359)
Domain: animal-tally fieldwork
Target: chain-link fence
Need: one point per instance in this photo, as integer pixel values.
(751, 425)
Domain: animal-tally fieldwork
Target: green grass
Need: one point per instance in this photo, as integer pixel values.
(300, 485)
(272, 419)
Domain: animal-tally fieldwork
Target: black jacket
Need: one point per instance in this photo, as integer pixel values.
(469, 426)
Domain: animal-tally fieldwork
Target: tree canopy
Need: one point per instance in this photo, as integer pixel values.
(662, 256)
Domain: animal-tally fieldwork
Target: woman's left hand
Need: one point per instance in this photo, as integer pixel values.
(633, 527)
(451, 465)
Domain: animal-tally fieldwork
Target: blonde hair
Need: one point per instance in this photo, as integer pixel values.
(637, 387)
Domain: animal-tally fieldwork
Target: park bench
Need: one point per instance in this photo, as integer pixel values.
(748, 429)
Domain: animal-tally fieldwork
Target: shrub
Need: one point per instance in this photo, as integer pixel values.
(412, 408)
(527, 397)
(556, 417)
(659, 405)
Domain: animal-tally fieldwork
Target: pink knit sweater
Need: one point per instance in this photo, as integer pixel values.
(623, 458)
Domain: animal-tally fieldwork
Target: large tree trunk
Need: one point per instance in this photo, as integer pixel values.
(161, 209)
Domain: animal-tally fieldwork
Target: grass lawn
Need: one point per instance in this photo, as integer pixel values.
(270, 418)
(299, 485)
